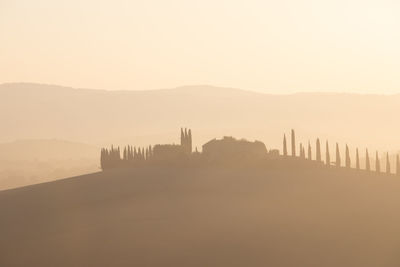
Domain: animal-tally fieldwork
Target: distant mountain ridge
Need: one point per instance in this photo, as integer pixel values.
(102, 117)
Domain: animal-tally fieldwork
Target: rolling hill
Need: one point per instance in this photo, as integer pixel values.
(204, 217)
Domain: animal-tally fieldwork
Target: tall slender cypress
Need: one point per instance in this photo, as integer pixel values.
(367, 162)
(303, 151)
(190, 144)
(357, 160)
(150, 151)
(327, 156)
(348, 162)
(377, 163)
(387, 163)
(293, 143)
(102, 157)
(338, 162)
(309, 151)
(284, 146)
(300, 150)
(397, 164)
(318, 148)
(182, 137)
(186, 139)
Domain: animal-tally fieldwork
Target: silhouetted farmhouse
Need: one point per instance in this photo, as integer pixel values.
(229, 149)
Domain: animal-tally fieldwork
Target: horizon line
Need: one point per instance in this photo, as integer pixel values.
(254, 91)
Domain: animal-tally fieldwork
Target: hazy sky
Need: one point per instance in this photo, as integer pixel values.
(272, 46)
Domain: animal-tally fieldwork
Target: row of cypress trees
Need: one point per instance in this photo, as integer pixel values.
(337, 162)
(111, 158)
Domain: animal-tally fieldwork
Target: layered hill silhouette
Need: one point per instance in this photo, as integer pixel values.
(144, 117)
(189, 216)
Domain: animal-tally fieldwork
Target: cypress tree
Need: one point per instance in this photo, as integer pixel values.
(328, 157)
(309, 151)
(124, 157)
(302, 151)
(338, 162)
(182, 137)
(190, 145)
(387, 163)
(106, 158)
(131, 153)
(397, 164)
(293, 143)
(357, 160)
(103, 159)
(112, 157)
(377, 163)
(102, 156)
(284, 146)
(318, 148)
(186, 138)
(348, 162)
(367, 162)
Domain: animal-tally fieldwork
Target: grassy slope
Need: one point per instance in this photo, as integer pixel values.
(204, 217)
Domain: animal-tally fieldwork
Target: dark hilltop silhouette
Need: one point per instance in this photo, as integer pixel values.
(231, 150)
(43, 112)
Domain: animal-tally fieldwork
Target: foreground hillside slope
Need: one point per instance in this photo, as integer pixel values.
(204, 217)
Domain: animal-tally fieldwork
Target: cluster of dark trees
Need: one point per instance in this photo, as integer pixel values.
(337, 162)
(111, 158)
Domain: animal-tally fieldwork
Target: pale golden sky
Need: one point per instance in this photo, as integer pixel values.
(270, 46)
